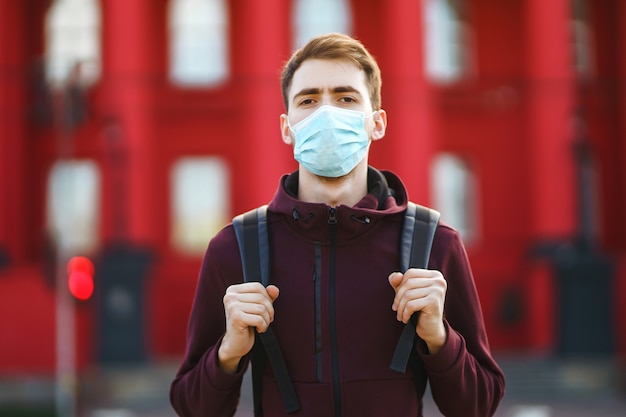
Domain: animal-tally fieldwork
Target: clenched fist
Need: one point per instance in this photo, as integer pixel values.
(248, 306)
(421, 291)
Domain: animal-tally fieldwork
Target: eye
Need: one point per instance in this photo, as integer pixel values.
(306, 102)
(347, 99)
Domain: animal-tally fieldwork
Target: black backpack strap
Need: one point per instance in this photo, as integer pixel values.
(253, 239)
(418, 232)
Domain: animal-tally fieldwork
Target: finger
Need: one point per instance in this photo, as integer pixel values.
(240, 319)
(414, 273)
(405, 291)
(258, 321)
(265, 297)
(401, 307)
(236, 290)
(417, 273)
(411, 307)
(254, 302)
(273, 292)
(411, 300)
(426, 281)
(261, 322)
(395, 279)
(428, 301)
(244, 315)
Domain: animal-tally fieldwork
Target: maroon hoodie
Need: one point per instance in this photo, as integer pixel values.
(333, 318)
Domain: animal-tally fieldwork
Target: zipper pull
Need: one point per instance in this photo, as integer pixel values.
(331, 218)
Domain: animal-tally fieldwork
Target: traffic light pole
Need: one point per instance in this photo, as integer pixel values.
(66, 379)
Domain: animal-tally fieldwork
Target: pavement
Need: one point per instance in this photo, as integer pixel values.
(536, 387)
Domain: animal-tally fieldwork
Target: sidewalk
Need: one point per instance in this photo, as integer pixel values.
(536, 387)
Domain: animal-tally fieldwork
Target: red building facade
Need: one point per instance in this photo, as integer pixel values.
(544, 141)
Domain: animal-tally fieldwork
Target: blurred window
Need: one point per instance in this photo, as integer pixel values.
(316, 17)
(455, 194)
(72, 40)
(447, 45)
(200, 202)
(582, 39)
(73, 202)
(198, 38)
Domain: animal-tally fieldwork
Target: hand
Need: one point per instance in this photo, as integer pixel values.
(421, 291)
(247, 306)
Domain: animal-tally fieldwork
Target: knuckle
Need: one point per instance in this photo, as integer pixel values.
(228, 298)
(258, 324)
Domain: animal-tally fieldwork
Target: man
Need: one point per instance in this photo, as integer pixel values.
(335, 228)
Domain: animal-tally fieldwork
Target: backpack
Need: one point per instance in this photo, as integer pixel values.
(251, 229)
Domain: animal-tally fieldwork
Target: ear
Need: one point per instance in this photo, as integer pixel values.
(285, 130)
(380, 124)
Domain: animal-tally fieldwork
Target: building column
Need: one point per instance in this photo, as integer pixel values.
(410, 142)
(261, 43)
(551, 106)
(620, 195)
(13, 109)
(621, 148)
(127, 77)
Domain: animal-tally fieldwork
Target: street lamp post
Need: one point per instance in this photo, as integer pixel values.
(69, 113)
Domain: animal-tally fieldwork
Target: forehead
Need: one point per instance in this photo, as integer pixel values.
(325, 74)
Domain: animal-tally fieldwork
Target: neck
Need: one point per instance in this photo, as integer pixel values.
(347, 190)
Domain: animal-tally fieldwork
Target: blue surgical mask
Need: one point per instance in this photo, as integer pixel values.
(331, 141)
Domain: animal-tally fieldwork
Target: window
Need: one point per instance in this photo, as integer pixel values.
(73, 201)
(582, 39)
(454, 192)
(447, 44)
(200, 202)
(73, 41)
(316, 17)
(198, 42)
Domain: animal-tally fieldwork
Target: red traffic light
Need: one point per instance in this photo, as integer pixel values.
(80, 277)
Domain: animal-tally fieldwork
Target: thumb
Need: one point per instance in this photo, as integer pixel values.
(272, 291)
(395, 279)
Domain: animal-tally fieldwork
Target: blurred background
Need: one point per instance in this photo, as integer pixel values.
(131, 131)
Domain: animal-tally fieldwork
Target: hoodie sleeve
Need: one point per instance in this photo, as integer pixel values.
(464, 377)
(200, 387)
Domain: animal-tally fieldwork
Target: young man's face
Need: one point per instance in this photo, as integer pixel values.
(337, 83)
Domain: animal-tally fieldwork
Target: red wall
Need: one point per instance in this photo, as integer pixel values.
(494, 118)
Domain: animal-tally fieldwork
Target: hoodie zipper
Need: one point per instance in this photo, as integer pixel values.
(332, 224)
(317, 308)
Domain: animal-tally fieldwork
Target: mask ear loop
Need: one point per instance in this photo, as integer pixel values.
(371, 115)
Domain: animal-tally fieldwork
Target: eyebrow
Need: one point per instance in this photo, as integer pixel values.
(315, 91)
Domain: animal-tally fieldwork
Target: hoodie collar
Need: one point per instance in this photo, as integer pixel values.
(377, 185)
(386, 195)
